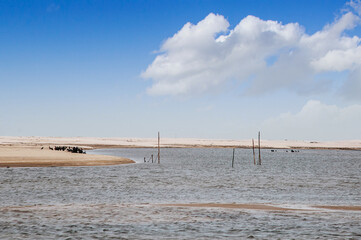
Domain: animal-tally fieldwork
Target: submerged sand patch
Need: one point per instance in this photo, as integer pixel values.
(265, 207)
(231, 205)
(343, 208)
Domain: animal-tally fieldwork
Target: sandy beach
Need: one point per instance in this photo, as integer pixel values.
(97, 142)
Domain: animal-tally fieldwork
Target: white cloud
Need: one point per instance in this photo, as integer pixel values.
(316, 121)
(352, 88)
(356, 5)
(201, 57)
(339, 60)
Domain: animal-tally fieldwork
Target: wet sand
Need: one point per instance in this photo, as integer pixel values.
(230, 205)
(264, 207)
(31, 156)
(342, 208)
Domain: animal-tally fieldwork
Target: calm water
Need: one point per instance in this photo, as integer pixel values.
(121, 201)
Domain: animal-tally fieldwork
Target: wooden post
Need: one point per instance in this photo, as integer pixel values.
(158, 148)
(254, 154)
(144, 159)
(233, 158)
(259, 148)
(152, 158)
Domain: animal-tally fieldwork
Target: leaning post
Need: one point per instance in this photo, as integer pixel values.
(158, 148)
(254, 154)
(233, 158)
(259, 148)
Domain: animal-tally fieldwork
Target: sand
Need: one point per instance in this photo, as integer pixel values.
(342, 208)
(30, 156)
(92, 142)
(230, 205)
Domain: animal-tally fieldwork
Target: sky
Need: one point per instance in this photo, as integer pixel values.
(187, 68)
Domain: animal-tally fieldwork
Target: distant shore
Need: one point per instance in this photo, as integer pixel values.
(94, 143)
(35, 151)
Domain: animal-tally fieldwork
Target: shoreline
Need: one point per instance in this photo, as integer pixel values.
(97, 143)
(34, 151)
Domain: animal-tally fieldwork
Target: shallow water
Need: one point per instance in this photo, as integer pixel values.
(121, 201)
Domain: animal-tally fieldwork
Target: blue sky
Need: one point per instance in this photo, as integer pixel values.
(90, 68)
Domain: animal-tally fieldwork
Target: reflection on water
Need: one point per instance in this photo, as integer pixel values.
(120, 201)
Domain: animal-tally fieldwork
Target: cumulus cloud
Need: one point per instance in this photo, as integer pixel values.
(272, 55)
(316, 121)
(339, 60)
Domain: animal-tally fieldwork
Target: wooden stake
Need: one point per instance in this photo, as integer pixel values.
(254, 154)
(158, 148)
(152, 158)
(233, 158)
(259, 148)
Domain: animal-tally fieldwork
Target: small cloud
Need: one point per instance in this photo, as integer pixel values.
(53, 8)
(356, 5)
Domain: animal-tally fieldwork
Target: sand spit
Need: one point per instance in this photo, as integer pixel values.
(91, 142)
(264, 207)
(32, 156)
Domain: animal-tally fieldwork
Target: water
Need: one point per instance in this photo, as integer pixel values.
(124, 201)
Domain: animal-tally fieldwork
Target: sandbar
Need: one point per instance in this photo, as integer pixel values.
(230, 205)
(34, 156)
